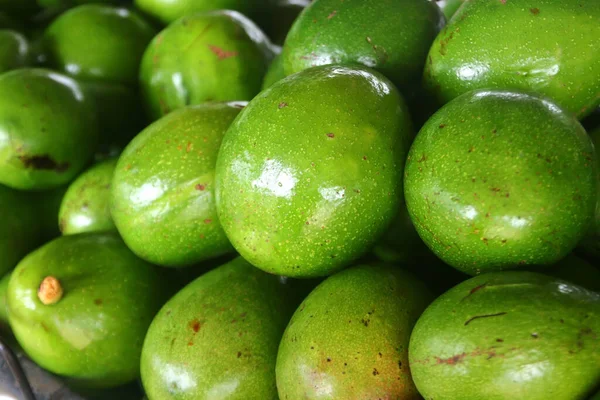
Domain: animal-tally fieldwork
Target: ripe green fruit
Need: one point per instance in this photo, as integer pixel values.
(310, 173)
(508, 335)
(540, 46)
(349, 338)
(162, 192)
(47, 129)
(214, 56)
(499, 179)
(80, 307)
(14, 50)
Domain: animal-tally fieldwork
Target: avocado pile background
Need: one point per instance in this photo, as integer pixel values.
(295, 199)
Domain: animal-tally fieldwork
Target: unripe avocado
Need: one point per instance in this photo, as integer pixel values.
(544, 46)
(14, 50)
(310, 173)
(508, 335)
(499, 179)
(349, 338)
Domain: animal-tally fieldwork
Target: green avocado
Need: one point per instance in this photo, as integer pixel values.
(163, 187)
(508, 335)
(3, 308)
(541, 46)
(98, 42)
(80, 307)
(85, 206)
(349, 338)
(449, 7)
(310, 173)
(499, 179)
(218, 337)
(392, 36)
(47, 126)
(14, 50)
(214, 56)
(274, 73)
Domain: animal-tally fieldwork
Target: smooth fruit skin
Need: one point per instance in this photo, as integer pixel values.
(94, 334)
(85, 205)
(274, 73)
(163, 187)
(499, 179)
(541, 46)
(14, 50)
(449, 7)
(310, 173)
(391, 36)
(349, 338)
(98, 42)
(3, 308)
(508, 335)
(213, 56)
(47, 129)
(218, 337)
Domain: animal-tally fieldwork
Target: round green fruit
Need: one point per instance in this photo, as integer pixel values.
(310, 173)
(163, 187)
(449, 7)
(80, 307)
(274, 73)
(214, 56)
(540, 46)
(349, 338)
(14, 50)
(499, 179)
(508, 335)
(47, 129)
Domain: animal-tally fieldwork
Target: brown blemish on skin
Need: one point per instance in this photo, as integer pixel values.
(451, 360)
(534, 335)
(442, 126)
(332, 14)
(45, 327)
(499, 340)
(98, 302)
(195, 325)
(200, 187)
(50, 291)
(222, 54)
(207, 221)
(330, 135)
(283, 104)
(239, 354)
(484, 316)
(375, 372)
(188, 148)
(444, 43)
(43, 162)
(534, 11)
(62, 224)
(475, 290)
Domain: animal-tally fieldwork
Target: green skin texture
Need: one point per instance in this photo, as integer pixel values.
(218, 337)
(3, 308)
(47, 129)
(85, 206)
(163, 187)
(310, 173)
(541, 46)
(392, 36)
(508, 335)
(217, 56)
(14, 50)
(94, 334)
(498, 179)
(349, 338)
(274, 73)
(117, 36)
(168, 11)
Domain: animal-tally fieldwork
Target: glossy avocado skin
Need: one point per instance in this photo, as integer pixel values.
(508, 335)
(310, 173)
(51, 127)
(498, 180)
(14, 50)
(163, 187)
(349, 338)
(213, 56)
(274, 73)
(94, 334)
(392, 36)
(85, 206)
(218, 337)
(449, 7)
(542, 46)
(98, 42)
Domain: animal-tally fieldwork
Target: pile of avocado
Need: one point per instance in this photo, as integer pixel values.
(295, 199)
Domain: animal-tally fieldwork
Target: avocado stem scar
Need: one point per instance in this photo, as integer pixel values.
(50, 291)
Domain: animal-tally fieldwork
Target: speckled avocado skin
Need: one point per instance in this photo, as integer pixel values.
(85, 206)
(310, 173)
(218, 337)
(349, 338)
(542, 46)
(14, 50)
(498, 179)
(50, 126)
(508, 335)
(213, 56)
(94, 334)
(162, 195)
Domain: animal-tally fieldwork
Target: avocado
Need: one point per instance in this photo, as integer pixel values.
(49, 127)
(98, 42)
(590, 245)
(349, 338)
(205, 57)
(3, 308)
(449, 7)
(162, 195)
(85, 206)
(309, 175)
(14, 50)
(274, 73)
(218, 337)
(499, 179)
(80, 306)
(540, 46)
(508, 335)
